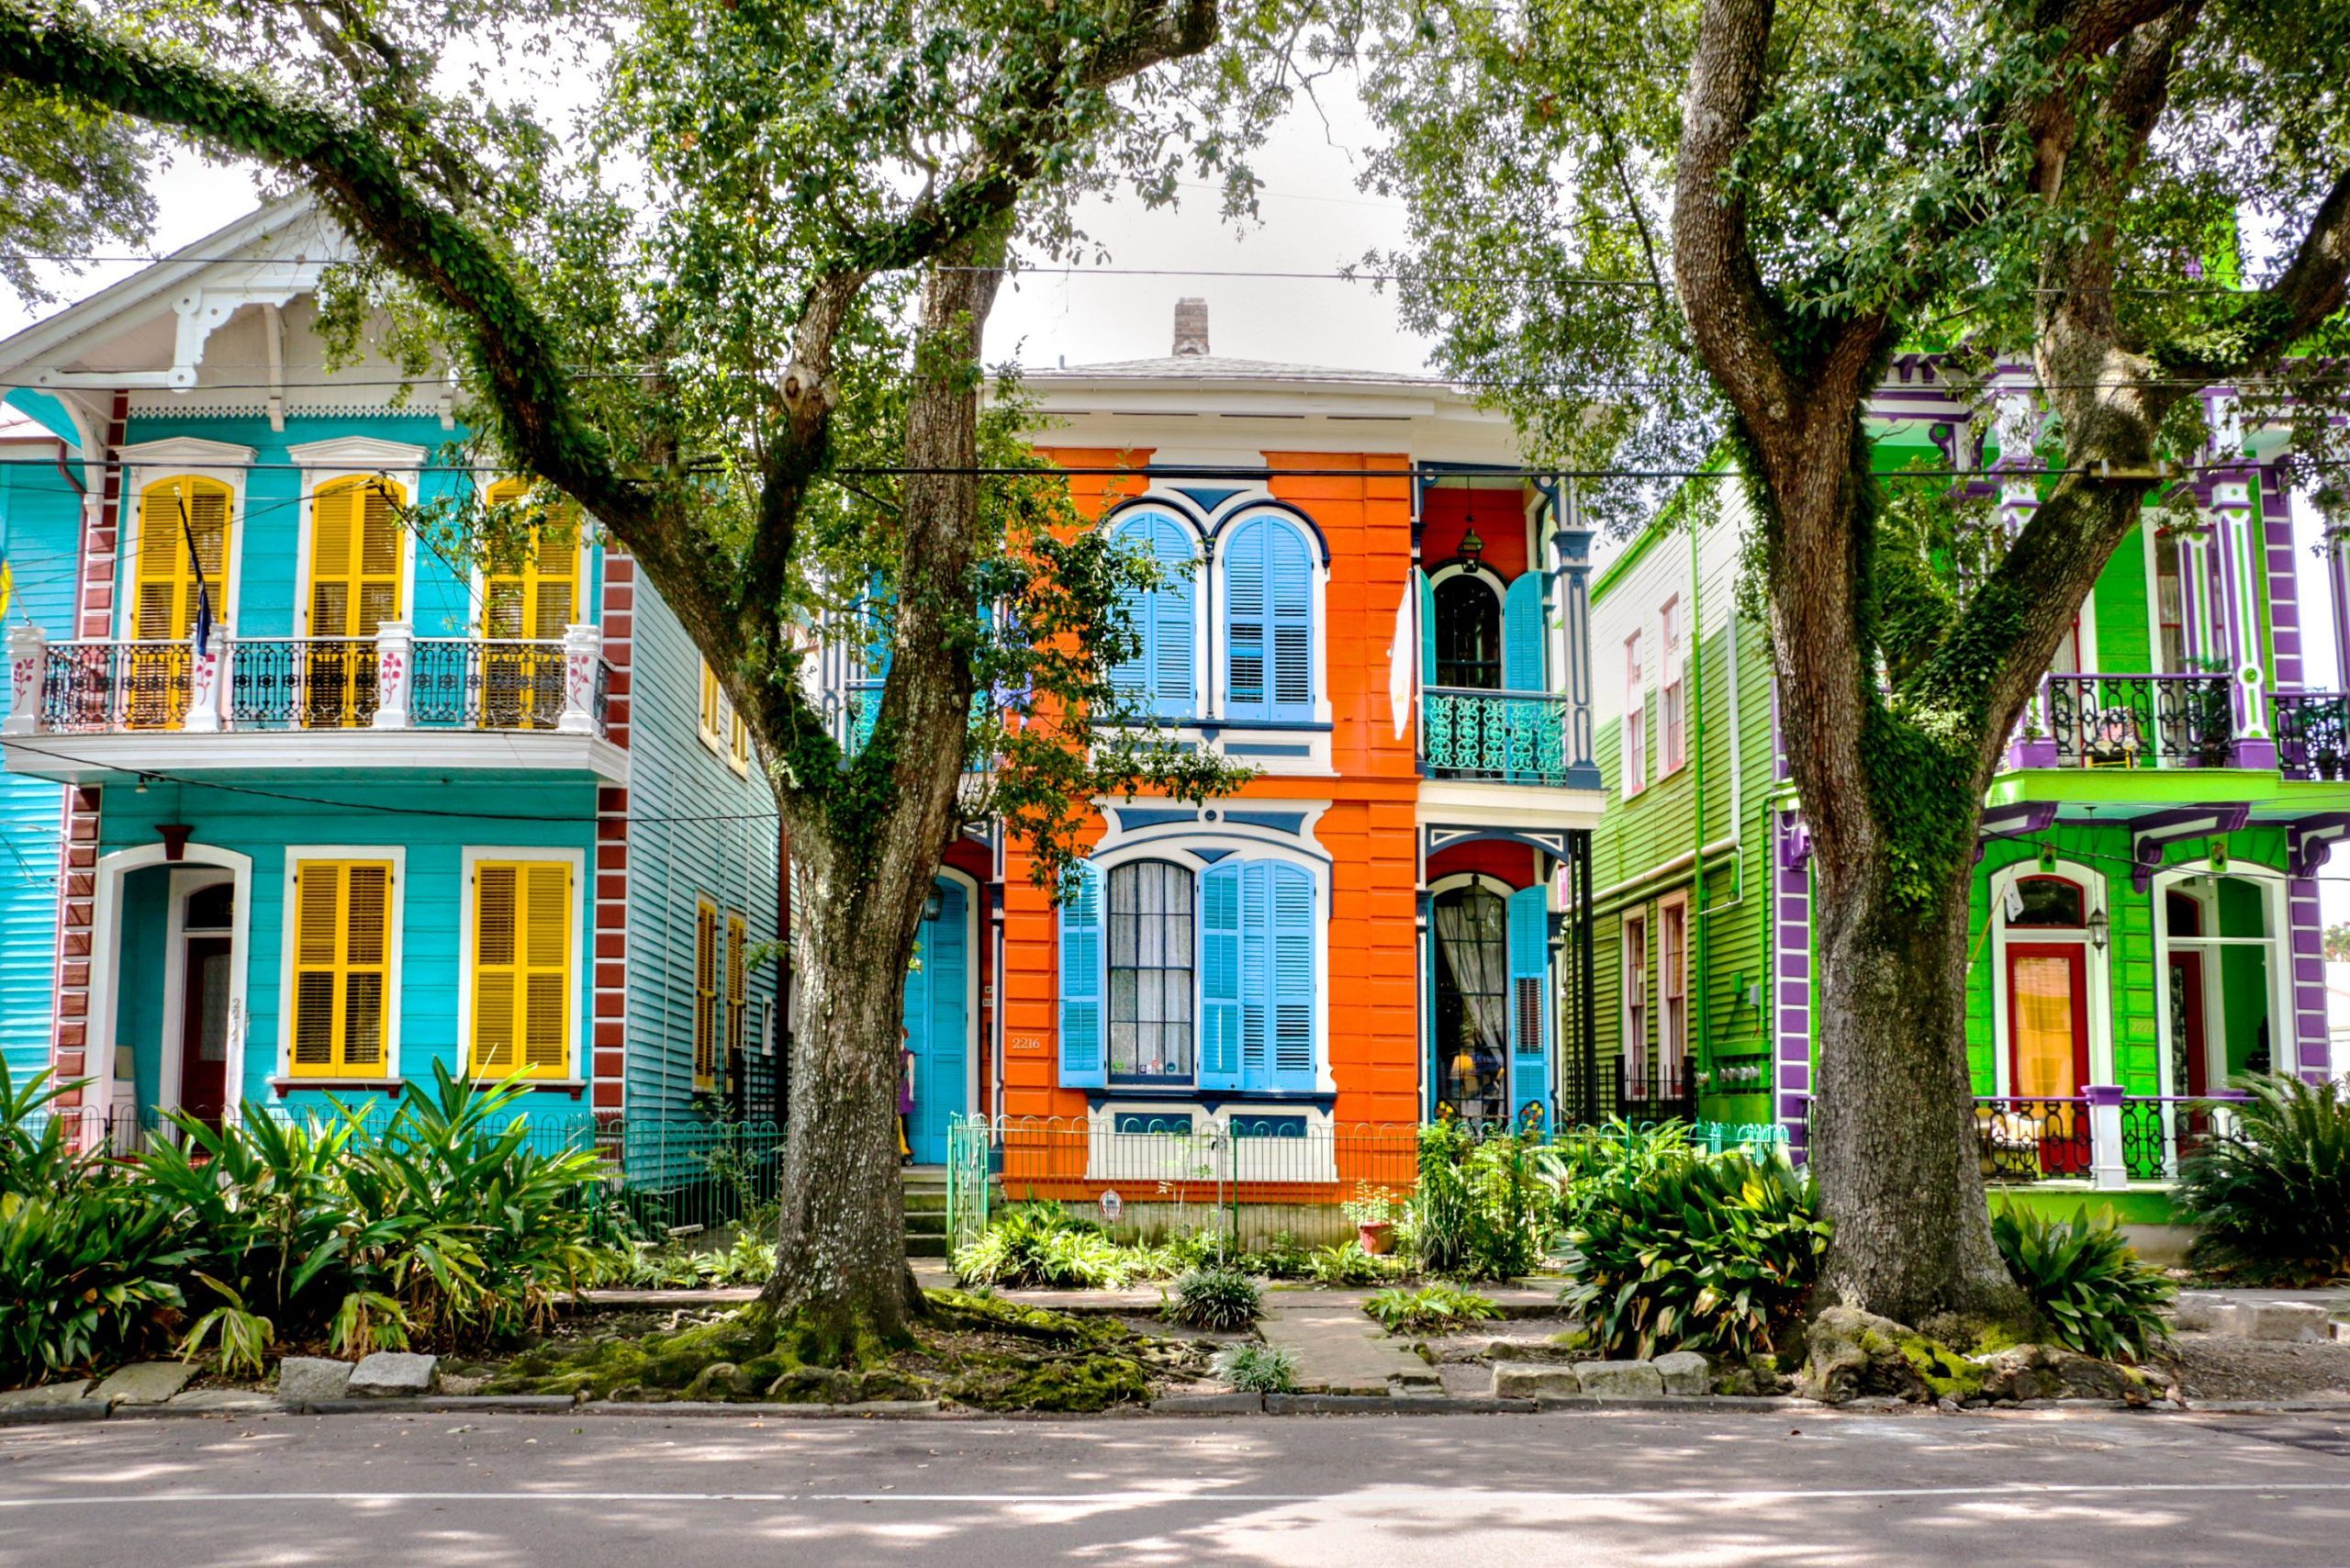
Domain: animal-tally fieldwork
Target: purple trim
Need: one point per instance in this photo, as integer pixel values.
(2309, 841)
(1794, 842)
(1791, 941)
(2019, 821)
(2254, 752)
(2284, 579)
(2032, 751)
(2313, 1044)
(2156, 831)
(2102, 1094)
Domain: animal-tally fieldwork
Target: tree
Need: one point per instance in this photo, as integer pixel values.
(1660, 227)
(2337, 942)
(737, 318)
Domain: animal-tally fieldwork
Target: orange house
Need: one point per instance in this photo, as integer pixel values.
(1376, 608)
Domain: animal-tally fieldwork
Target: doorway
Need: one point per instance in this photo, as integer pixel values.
(2048, 1042)
(207, 945)
(938, 1021)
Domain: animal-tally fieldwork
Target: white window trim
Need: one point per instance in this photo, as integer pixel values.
(148, 462)
(406, 475)
(1632, 1044)
(583, 972)
(184, 883)
(394, 947)
(1134, 512)
(1216, 702)
(106, 956)
(1669, 1053)
(1673, 674)
(2284, 1018)
(1631, 750)
(2093, 891)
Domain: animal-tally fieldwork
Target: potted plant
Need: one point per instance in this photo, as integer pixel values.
(1374, 1211)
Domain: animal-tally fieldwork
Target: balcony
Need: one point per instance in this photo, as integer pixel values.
(2138, 721)
(2312, 731)
(1501, 738)
(85, 709)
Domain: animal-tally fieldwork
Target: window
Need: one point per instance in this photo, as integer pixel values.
(183, 560)
(356, 559)
(2046, 901)
(738, 993)
(342, 967)
(522, 989)
(1673, 1039)
(738, 743)
(1269, 623)
(1467, 633)
(723, 730)
(1160, 678)
(1673, 674)
(1636, 738)
(1249, 950)
(1636, 1006)
(1473, 1002)
(531, 587)
(1150, 973)
(705, 996)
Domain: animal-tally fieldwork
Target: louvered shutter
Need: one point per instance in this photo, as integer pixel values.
(1289, 591)
(354, 557)
(546, 950)
(1522, 635)
(1256, 976)
(1427, 627)
(317, 903)
(164, 606)
(705, 996)
(1245, 632)
(1290, 997)
(341, 966)
(1220, 977)
(497, 933)
(1082, 1063)
(738, 992)
(1160, 672)
(1529, 1004)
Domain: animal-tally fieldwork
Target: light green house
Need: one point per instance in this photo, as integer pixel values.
(2146, 908)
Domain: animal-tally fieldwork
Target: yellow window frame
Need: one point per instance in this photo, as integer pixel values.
(343, 940)
(738, 989)
(705, 996)
(164, 592)
(524, 993)
(548, 563)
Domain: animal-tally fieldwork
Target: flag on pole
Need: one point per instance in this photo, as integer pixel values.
(203, 589)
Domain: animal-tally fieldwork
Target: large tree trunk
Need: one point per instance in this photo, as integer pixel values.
(863, 870)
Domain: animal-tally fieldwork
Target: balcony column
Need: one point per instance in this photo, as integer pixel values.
(395, 674)
(582, 647)
(1574, 545)
(2337, 579)
(205, 670)
(2107, 1170)
(2236, 585)
(27, 652)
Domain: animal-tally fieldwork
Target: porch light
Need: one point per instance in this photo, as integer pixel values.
(1472, 551)
(2101, 929)
(934, 906)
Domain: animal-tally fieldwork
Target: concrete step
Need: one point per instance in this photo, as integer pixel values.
(925, 1246)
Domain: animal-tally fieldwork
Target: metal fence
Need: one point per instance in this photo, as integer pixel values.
(672, 1175)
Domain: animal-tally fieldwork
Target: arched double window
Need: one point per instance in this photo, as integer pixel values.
(1160, 678)
(1467, 633)
(1269, 623)
(1200, 979)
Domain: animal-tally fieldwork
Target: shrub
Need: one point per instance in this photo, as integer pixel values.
(1482, 1210)
(2273, 1198)
(1583, 1165)
(1043, 1245)
(1434, 1308)
(1347, 1264)
(1257, 1369)
(1214, 1298)
(92, 1275)
(2095, 1294)
(1709, 1253)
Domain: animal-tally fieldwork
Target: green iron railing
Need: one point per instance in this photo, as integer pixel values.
(1511, 737)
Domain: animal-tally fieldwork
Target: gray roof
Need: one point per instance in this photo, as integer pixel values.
(1221, 367)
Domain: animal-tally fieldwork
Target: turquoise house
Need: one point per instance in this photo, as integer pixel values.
(297, 800)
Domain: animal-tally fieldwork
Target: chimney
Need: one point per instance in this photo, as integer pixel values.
(1190, 329)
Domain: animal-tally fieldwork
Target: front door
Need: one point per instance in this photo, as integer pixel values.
(937, 1016)
(2048, 1046)
(204, 1031)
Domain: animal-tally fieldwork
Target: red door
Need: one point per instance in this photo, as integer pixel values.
(2187, 1024)
(2048, 1048)
(204, 1030)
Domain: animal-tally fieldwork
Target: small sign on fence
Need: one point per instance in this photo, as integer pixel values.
(1111, 1204)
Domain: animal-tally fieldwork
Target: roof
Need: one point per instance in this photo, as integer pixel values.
(1223, 367)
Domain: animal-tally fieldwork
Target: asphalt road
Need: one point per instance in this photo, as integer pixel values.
(2020, 1491)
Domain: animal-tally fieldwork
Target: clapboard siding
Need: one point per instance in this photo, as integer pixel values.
(41, 521)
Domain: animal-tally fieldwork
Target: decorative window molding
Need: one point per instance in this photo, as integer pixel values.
(332, 956)
(526, 956)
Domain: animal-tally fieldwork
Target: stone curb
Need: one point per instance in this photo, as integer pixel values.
(42, 1415)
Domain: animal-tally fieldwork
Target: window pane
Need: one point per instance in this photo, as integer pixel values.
(1150, 973)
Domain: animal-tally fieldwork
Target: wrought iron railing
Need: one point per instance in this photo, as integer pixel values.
(300, 683)
(1511, 737)
(1636, 1092)
(2141, 720)
(2312, 731)
(96, 686)
(471, 683)
(2160, 1130)
(2022, 1139)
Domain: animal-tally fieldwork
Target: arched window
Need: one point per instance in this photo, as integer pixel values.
(1160, 678)
(1269, 623)
(1150, 973)
(1467, 633)
(2047, 901)
(1472, 1001)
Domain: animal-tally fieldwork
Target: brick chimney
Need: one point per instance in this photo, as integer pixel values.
(1190, 329)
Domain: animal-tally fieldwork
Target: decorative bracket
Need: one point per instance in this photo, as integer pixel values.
(2018, 821)
(2157, 830)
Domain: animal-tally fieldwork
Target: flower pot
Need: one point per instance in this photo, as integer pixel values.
(1377, 1236)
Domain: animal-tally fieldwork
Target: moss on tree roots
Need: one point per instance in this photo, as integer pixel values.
(969, 1350)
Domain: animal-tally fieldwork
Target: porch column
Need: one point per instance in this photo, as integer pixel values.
(2232, 511)
(2106, 1168)
(395, 674)
(2338, 580)
(203, 672)
(27, 652)
(582, 647)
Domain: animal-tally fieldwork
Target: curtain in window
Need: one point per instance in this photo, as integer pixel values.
(1472, 940)
(1150, 973)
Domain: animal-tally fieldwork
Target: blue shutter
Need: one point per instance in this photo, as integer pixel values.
(1427, 628)
(1289, 588)
(1245, 632)
(1522, 635)
(1529, 1005)
(1159, 676)
(1256, 977)
(1220, 977)
(1081, 1052)
(1291, 985)
(865, 690)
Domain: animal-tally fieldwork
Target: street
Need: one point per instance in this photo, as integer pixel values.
(2040, 1489)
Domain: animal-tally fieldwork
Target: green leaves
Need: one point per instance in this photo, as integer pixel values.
(2084, 1277)
(1436, 1307)
(2272, 1198)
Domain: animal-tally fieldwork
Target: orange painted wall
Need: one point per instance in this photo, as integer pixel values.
(1371, 990)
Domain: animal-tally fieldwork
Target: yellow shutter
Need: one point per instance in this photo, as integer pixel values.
(163, 609)
(522, 979)
(341, 966)
(532, 591)
(705, 997)
(713, 732)
(737, 992)
(354, 557)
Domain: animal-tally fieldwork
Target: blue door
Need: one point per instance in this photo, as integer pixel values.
(938, 993)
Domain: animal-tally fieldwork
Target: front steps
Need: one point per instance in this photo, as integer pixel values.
(925, 1190)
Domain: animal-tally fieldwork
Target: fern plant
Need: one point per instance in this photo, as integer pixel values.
(2097, 1295)
(2272, 1199)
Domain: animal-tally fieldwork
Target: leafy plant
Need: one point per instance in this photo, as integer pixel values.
(1374, 1205)
(2272, 1198)
(1257, 1369)
(1042, 1244)
(368, 1320)
(1347, 1264)
(1711, 1254)
(2097, 1296)
(92, 1275)
(1583, 1166)
(1215, 1298)
(1434, 1308)
(1481, 1211)
(240, 1338)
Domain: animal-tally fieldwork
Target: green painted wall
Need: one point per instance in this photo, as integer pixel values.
(2124, 642)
